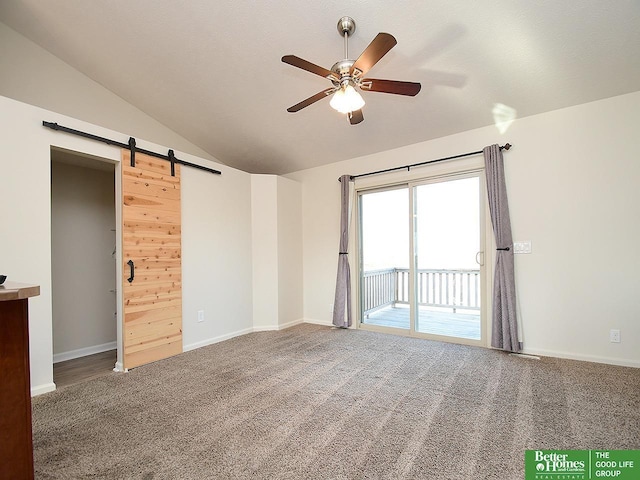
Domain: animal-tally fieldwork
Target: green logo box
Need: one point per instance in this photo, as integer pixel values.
(582, 464)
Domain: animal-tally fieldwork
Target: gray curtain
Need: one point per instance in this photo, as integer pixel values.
(505, 323)
(343, 281)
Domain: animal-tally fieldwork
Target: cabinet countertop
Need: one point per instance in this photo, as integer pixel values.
(18, 291)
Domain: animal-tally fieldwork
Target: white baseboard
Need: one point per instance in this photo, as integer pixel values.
(83, 352)
(221, 338)
(40, 389)
(326, 323)
(584, 358)
(293, 323)
(273, 328)
(266, 328)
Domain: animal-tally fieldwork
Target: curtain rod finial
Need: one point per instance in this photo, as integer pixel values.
(507, 146)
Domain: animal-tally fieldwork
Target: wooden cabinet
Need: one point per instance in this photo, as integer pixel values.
(16, 444)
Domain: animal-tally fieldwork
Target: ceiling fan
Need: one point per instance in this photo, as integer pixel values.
(346, 75)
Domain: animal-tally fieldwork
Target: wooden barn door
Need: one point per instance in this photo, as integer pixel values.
(152, 273)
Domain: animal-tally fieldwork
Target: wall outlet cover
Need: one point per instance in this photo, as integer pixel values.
(614, 336)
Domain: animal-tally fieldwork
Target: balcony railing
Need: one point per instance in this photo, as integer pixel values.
(455, 289)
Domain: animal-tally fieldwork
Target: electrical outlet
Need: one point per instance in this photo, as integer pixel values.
(614, 336)
(200, 315)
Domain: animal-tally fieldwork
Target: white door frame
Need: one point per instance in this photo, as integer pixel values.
(118, 367)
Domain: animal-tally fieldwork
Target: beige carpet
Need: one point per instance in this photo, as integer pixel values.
(315, 403)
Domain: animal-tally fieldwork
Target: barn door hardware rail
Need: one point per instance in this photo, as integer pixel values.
(131, 145)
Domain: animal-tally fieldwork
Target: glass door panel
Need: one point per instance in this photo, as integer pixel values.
(447, 231)
(385, 258)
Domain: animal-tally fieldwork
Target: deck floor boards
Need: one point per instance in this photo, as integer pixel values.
(461, 325)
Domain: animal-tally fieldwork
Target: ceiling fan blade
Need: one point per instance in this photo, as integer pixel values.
(313, 99)
(390, 86)
(377, 49)
(356, 117)
(309, 67)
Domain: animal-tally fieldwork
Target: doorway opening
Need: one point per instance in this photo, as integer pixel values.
(421, 248)
(83, 266)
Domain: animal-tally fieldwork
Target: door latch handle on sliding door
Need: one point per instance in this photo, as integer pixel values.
(480, 258)
(132, 267)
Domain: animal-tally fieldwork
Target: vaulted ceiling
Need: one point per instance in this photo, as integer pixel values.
(211, 70)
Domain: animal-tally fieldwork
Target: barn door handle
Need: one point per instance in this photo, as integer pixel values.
(132, 267)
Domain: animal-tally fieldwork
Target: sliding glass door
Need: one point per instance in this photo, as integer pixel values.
(384, 251)
(421, 251)
(447, 252)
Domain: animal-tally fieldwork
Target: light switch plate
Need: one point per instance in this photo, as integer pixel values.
(522, 247)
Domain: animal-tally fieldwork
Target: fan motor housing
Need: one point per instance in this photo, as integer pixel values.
(342, 69)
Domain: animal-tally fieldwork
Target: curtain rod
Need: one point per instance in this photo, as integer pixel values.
(506, 146)
(130, 146)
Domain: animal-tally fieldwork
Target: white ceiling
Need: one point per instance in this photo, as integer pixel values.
(210, 69)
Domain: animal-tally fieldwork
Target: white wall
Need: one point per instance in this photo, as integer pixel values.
(216, 255)
(572, 178)
(216, 230)
(277, 252)
(83, 238)
(34, 76)
(290, 280)
(264, 211)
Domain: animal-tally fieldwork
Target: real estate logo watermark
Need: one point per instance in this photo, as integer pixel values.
(582, 464)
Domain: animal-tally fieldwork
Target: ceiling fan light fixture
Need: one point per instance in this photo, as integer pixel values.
(345, 75)
(346, 99)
